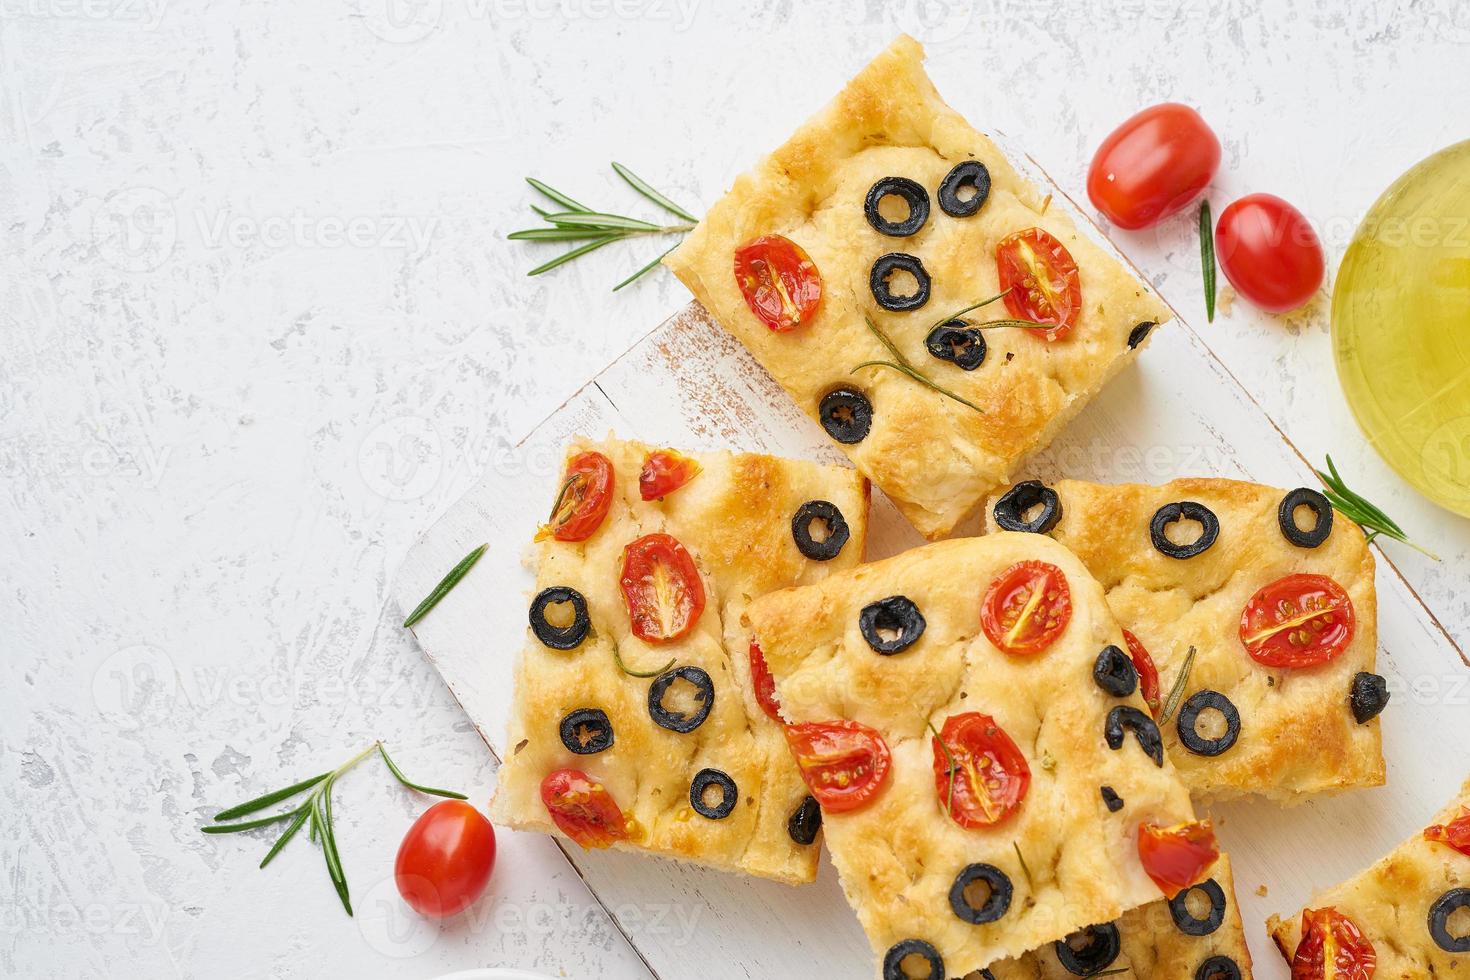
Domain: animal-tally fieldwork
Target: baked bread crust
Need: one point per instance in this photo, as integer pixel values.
(898, 856)
(735, 519)
(935, 458)
(1298, 736)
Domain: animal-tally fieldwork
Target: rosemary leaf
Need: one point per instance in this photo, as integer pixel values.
(618, 659)
(642, 187)
(564, 234)
(886, 342)
(974, 306)
(398, 775)
(1010, 324)
(1176, 693)
(912, 373)
(233, 828)
(1356, 508)
(950, 765)
(446, 584)
(1024, 869)
(1207, 257)
(301, 815)
(646, 269)
(556, 196)
(261, 802)
(574, 253)
(329, 846)
(605, 222)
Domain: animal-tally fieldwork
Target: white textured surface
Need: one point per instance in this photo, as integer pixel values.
(259, 326)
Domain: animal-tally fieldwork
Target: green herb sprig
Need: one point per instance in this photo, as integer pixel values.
(1024, 868)
(951, 767)
(1357, 509)
(446, 584)
(902, 365)
(1207, 257)
(618, 659)
(1176, 693)
(577, 222)
(316, 810)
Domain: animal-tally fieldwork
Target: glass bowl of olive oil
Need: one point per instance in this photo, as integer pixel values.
(1401, 326)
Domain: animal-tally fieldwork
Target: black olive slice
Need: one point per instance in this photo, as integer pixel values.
(1320, 508)
(1185, 920)
(1011, 508)
(801, 530)
(1189, 713)
(1111, 799)
(893, 961)
(729, 795)
(913, 195)
(1218, 968)
(678, 721)
(971, 173)
(1139, 333)
(1125, 718)
(996, 903)
(587, 731)
(805, 821)
(846, 414)
(886, 266)
(1368, 696)
(896, 615)
(1439, 920)
(959, 343)
(1087, 951)
(567, 637)
(1184, 510)
(1115, 673)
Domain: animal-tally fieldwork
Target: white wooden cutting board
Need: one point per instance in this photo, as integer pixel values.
(1178, 413)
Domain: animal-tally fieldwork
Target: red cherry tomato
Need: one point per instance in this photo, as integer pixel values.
(662, 588)
(844, 763)
(583, 809)
(665, 471)
(445, 859)
(586, 495)
(1456, 833)
(1153, 165)
(764, 683)
(1041, 279)
(1269, 252)
(1297, 621)
(1177, 857)
(1332, 948)
(1148, 674)
(780, 282)
(979, 773)
(1026, 608)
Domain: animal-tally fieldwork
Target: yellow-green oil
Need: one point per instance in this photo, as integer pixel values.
(1401, 326)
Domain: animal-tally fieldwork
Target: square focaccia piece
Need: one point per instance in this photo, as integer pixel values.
(806, 260)
(989, 777)
(636, 722)
(1274, 594)
(1409, 913)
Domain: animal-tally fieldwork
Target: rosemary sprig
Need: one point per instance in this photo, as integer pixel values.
(618, 659)
(1024, 869)
(1357, 509)
(577, 222)
(1176, 693)
(316, 810)
(1207, 257)
(973, 306)
(902, 365)
(447, 583)
(951, 767)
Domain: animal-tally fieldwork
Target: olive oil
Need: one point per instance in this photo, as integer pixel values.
(1401, 326)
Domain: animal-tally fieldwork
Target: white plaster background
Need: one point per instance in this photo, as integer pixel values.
(259, 325)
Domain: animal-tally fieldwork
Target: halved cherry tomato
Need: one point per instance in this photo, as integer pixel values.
(1153, 165)
(583, 809)
(1269, 252)
(1297, 621)
(445, 860)
(989, 776)
(1042, 280)
(586, 495)
(1456, 833)
(780, 282)
(1332, 947)
(665, 471)
(1026, 608)
(1148, 674)
(844, 763)
(662, 588)
(764, 683)
(1177, 857)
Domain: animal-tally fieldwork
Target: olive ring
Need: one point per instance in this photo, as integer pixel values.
(1011, 508)
(971, 173)
(1125, 718)
(837, 531)
(1218, 968)
(1439, 920)
(1115, 673)
(913, 194)
(1184, 510)
(958, 343)
(1197, 704)
(678, 721)
(996, 904)
(1186, 921)
(893, 961)
(846, 414)
(1318, 505)
(896, 614)
(567, 637)
(893, 262)
(1100, 945)
(729, 795)
(598, 729)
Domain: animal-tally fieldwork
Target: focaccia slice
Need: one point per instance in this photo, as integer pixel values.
(1295, 730)
(986, 767)
(934, 455)
(1409, 908)
(695, 769)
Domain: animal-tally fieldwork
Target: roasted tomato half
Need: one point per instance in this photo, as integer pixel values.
(780, 282)
(1148, 674)
(1297, 621)
(1177, 857)
(1026, 608)
(844, 763)
(764, 683)
(586, 494)
(662, 588)
(665, 471)
(1332, 948)
(1042, 279)
(1456, 833)
(979, 773)
(583, 809)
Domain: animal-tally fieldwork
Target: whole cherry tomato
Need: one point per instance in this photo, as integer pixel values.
(1026, 608)
(661, 587)
(586, 495)
(1297, 621)
(1332, 948)
(445, 860)
(1153, 165)
(779, 281)
(1269, 252)
(1041, 281)
(844, 763)
(979, 772)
